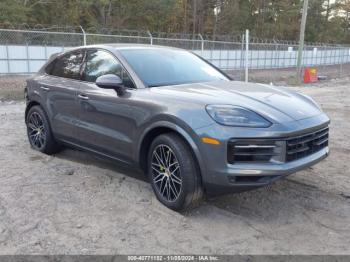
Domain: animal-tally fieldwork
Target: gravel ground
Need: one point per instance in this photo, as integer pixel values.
(75, 203)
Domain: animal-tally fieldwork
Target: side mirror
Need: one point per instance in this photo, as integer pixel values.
(111, 81)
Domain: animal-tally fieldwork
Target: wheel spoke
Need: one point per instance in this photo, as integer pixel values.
(41, 139)
(176, 180)
(162, 155)
(159, 160)
(31, 126)
(157, 170)
(168, 158)
(156, 164)
(35, 118)
(173, 188)
(31, 122)
(168, 189)
(36, 138)
(174, 171)
(163, 190)
(161, 178)
(39, 142)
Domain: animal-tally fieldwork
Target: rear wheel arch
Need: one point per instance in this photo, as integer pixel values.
(33, 103)
(48, 144)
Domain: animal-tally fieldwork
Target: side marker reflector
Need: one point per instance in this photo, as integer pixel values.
(210, 141)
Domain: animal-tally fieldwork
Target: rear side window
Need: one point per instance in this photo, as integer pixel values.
(49, 67)
(67, 66)
(99, 63)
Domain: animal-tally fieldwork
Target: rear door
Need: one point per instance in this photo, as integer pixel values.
(105, 119)
(61, 85)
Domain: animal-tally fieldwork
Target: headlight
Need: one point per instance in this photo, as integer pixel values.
(229, 115)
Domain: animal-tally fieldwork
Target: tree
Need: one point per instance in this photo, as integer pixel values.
(328, 21)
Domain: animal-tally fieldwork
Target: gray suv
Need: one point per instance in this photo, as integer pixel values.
(185, 123)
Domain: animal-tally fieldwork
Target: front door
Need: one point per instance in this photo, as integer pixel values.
(105, 122)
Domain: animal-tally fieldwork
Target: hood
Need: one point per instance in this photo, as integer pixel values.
(277, 104)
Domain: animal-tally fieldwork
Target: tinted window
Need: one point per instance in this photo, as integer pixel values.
(49, 67)
(100, 63)
(68, 66)
(158, 67)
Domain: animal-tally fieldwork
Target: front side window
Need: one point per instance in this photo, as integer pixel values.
(68, 65)
(99, 63)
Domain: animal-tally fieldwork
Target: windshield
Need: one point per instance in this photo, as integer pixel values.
(161, 67)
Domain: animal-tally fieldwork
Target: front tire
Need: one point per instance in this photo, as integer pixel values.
(39, 132)
(173, 173)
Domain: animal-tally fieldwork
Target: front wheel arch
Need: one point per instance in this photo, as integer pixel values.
(161, 128)
(29, 106)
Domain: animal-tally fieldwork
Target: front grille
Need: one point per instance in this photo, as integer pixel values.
(305, 145)
(276, 150)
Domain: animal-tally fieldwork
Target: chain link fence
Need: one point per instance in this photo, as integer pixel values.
(25, 51)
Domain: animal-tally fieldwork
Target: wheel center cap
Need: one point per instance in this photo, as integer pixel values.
(167, 173)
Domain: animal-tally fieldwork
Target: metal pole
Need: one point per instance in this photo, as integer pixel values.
(8, 59)
(150, 37)
(301, 40)
(241, 59)
(246, 55)
(202, 43)
(46, 52)
(27, 58)
(84, 35)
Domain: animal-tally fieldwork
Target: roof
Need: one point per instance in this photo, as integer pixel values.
(137, 46)
(126, 46)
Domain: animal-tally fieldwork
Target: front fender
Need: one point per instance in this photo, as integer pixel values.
(180, 128)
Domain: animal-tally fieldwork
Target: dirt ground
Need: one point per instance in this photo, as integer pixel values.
(75, 203)
(286, 76)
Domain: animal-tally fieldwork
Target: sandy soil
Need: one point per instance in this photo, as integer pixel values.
(286, 76)
(75, 203)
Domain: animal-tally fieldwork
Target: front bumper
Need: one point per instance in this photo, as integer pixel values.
(221, 177)
(245, 177)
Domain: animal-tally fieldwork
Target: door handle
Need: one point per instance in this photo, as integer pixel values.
(45, 88)
(83, 96)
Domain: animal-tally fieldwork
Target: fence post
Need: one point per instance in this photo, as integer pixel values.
(202, 43)
(27, 58)
(46, 52)
(241, 65)
(341, 53)
(246, 55)
(301, 41)
(8, 59)
(150, 37)
(84, 35)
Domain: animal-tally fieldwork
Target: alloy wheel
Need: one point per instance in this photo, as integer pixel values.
(36, 130)
(166, 173)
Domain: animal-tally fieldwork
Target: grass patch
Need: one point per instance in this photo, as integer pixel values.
(12, 94)
(293, 81)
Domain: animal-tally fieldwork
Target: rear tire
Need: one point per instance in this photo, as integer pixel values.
(174, 173)
(39, 132)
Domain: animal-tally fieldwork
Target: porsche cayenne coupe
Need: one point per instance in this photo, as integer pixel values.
(186, 124)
